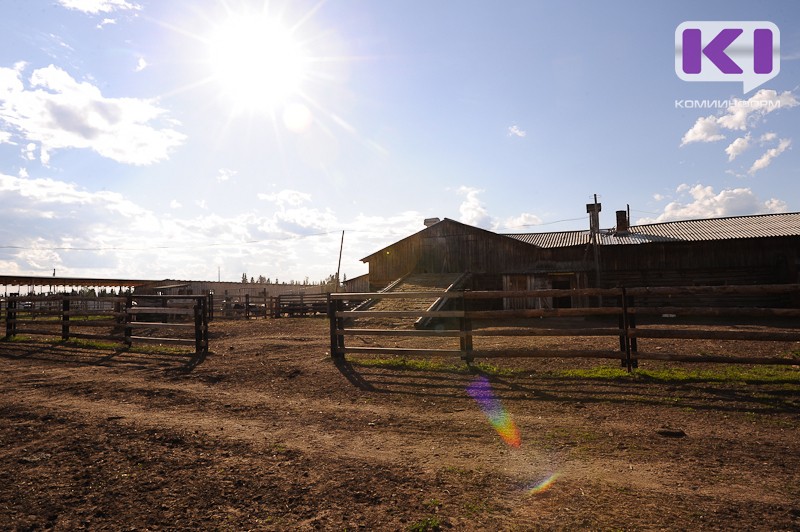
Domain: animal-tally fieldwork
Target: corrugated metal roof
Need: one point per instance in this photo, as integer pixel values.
(758, 226)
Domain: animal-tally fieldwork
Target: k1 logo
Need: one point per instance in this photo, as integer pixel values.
(749, 52)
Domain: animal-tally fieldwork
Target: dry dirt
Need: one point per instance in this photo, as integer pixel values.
(267, 433)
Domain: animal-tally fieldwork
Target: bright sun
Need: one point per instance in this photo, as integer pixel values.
(257, 62)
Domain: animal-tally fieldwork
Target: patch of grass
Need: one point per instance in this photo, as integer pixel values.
(476, 508)
(419, 364)
(603, 372)
(429, 364)
(429, 524)
(432, 503)
(101, 345)
(731, 373)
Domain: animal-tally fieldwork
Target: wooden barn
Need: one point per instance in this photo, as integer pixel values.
(759, 249)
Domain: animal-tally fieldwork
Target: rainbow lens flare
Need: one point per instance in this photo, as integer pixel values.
(543, 485)
(481, 391)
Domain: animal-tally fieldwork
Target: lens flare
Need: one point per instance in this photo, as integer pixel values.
(543, 485)
(481, 391)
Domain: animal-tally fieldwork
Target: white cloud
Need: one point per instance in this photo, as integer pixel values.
(747, 113)
(737, 147)
(175, 204)
(29, 153)
(286, 197)
(102, 234)
(740, 116)
(522, 222)
(59, 112)
(698, 201)
(224, 174)
(706, 129)
(515, 131)
(106, 22)
(766, 159)
(767, 137)
(472, 210)
(141, 64)
(99, 6)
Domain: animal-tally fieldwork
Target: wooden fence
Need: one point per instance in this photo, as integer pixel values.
(264, 306)
(628, 314)
(175, 320)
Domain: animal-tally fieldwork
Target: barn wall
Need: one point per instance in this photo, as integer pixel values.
(451, 247)
(745, 261)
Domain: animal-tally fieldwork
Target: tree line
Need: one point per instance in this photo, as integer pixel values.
(328, 282)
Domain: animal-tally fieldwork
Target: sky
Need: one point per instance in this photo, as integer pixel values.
(204, 139)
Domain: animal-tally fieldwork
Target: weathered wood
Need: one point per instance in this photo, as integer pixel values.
(354, 314)
(717, 290)
(402, 332)
(178, 311)
(426, 294)
(160, 325)
(694, 334)
(153, 339)
(535, 331)
(550, 292)
(718, 312)
(93, 323)
(85, 336)
(403, 351)
(543, 313)
(548, 353)
(40, 332)
(718, 359)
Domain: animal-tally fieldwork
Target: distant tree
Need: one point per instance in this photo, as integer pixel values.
(244, 278)
(262, 279)
(252, 280)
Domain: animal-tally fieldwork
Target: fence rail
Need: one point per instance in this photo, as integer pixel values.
(631, 315)
(183, 319)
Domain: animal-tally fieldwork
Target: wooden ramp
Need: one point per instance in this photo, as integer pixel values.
(418, 282)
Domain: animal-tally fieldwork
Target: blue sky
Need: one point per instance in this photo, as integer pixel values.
(177, 139)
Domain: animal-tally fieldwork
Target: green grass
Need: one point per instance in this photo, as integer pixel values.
(429, 364)
(731, 373)
(102, 345)
(429, 524)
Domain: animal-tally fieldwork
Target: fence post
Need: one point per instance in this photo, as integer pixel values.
(210, 307)
(65, 319)
(128, 319)
(247, 306)
(632, 325)
(337, 340)
(466, 339)
(198, 324)
(626, 361)
(11, 317)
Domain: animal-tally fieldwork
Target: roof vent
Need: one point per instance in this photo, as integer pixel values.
(431, 221)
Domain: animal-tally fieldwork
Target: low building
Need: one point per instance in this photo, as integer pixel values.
(758, 249)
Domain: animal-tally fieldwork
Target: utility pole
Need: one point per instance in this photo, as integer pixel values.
(339, 266)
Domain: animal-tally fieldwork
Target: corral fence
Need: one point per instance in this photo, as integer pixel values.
(264, 306)
(171, 320)
(765, 313)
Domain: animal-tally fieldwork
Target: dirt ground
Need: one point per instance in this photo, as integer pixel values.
(267, 433)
